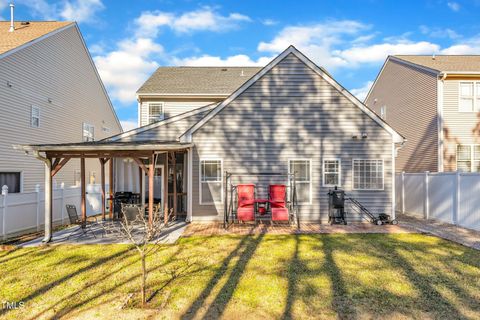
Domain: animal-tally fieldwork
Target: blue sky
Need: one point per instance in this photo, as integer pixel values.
(130, 39)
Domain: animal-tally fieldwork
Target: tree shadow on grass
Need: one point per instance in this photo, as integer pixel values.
(294, 268)
(244, 250)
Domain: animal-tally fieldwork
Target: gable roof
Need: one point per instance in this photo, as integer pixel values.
(25, 33)
(445, 63)
(197, 80)
(187, 136)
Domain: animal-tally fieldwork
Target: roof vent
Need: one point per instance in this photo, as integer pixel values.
(433, 56)
(12, 26)
(224, 69)
(242, 74)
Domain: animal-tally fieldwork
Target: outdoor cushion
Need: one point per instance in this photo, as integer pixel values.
(280, 214)
(246, 214)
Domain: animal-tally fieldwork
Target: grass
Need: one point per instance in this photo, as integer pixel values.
(347, 276)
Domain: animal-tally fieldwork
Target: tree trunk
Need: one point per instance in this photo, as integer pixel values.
(144, 278)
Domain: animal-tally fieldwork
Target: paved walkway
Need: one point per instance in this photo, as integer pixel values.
(467, 237)
(210, 229)
(97, 235)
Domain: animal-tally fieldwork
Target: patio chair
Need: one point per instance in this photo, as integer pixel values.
(246, 202)
(83, 226)
(278, 202)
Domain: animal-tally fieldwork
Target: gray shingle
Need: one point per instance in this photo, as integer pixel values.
(197, 80)
(446, 63)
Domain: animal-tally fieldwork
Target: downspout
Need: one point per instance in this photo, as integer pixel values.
(48, 196)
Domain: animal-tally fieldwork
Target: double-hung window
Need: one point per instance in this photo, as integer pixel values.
(469, 100)
(155, 112)
(331, 173)
(303, 179)
(367, 174)
(35, 117)
(211, 190)
(88, 132)
(468, 158)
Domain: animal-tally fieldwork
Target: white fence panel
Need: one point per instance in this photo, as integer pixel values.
(469, 208)
(447, 197)
(25, 212)
(414, 194)
(441, 196)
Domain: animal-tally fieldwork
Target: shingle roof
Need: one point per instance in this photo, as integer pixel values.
(446, 63)
(197, 80)
(25, 33)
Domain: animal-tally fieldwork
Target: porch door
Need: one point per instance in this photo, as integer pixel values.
(177, 184)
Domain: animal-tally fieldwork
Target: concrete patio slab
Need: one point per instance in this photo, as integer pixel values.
(97, 235)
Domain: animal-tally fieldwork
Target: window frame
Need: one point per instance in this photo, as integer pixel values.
(339, 172)
(162, 117)
(475, 96)
(353, 174)
(472, 156)
(34, 107)
(21, 179)
(310, 182)
(383, 112)
(200, 202)
(86, 138)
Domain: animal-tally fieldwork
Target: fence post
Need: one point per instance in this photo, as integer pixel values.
(62, 202)
(4, 216)
(37, 190)
(456, 201)
(403, 191)
(427, 200)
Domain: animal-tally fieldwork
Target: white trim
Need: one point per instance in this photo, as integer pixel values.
(310, 180)
(440, 120)
(83, 132)
(162, 113)
(475, 97)
(186, 137)
(160, 123)
(339, 172)
(139, 115)
(190, 185)
(376, 79)
(353, 174)
(415, 65)
(32, 107)
(203, 95)
(472, 155)
(200, 202)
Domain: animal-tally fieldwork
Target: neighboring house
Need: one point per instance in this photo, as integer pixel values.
(291, 116)
(175, 90)
(49, 91)
(434, 101)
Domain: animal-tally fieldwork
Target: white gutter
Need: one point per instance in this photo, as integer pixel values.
(48, 196)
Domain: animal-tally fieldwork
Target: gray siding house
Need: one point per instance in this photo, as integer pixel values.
(50, 92)
(290, 116)
(434, 101)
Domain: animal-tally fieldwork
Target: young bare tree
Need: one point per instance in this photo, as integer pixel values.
(142, 233)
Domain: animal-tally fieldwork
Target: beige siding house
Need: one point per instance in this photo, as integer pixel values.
(290, 116)
(434, 101)
(174, 90)
(50, 91)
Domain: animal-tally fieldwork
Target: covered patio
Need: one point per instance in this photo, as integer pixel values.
(157, 164)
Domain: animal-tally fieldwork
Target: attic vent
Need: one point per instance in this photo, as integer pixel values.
(224, 69)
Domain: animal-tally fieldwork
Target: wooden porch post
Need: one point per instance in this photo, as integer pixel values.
(165, 190)
(151, 172)
(102, 170)
(110, 174)
(174, 164)
(82, 184)
(48, 201)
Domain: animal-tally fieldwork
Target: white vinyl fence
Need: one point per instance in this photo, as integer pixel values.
(24, 212)
(451, 197)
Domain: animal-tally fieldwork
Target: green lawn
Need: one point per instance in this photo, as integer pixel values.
(346, 276)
